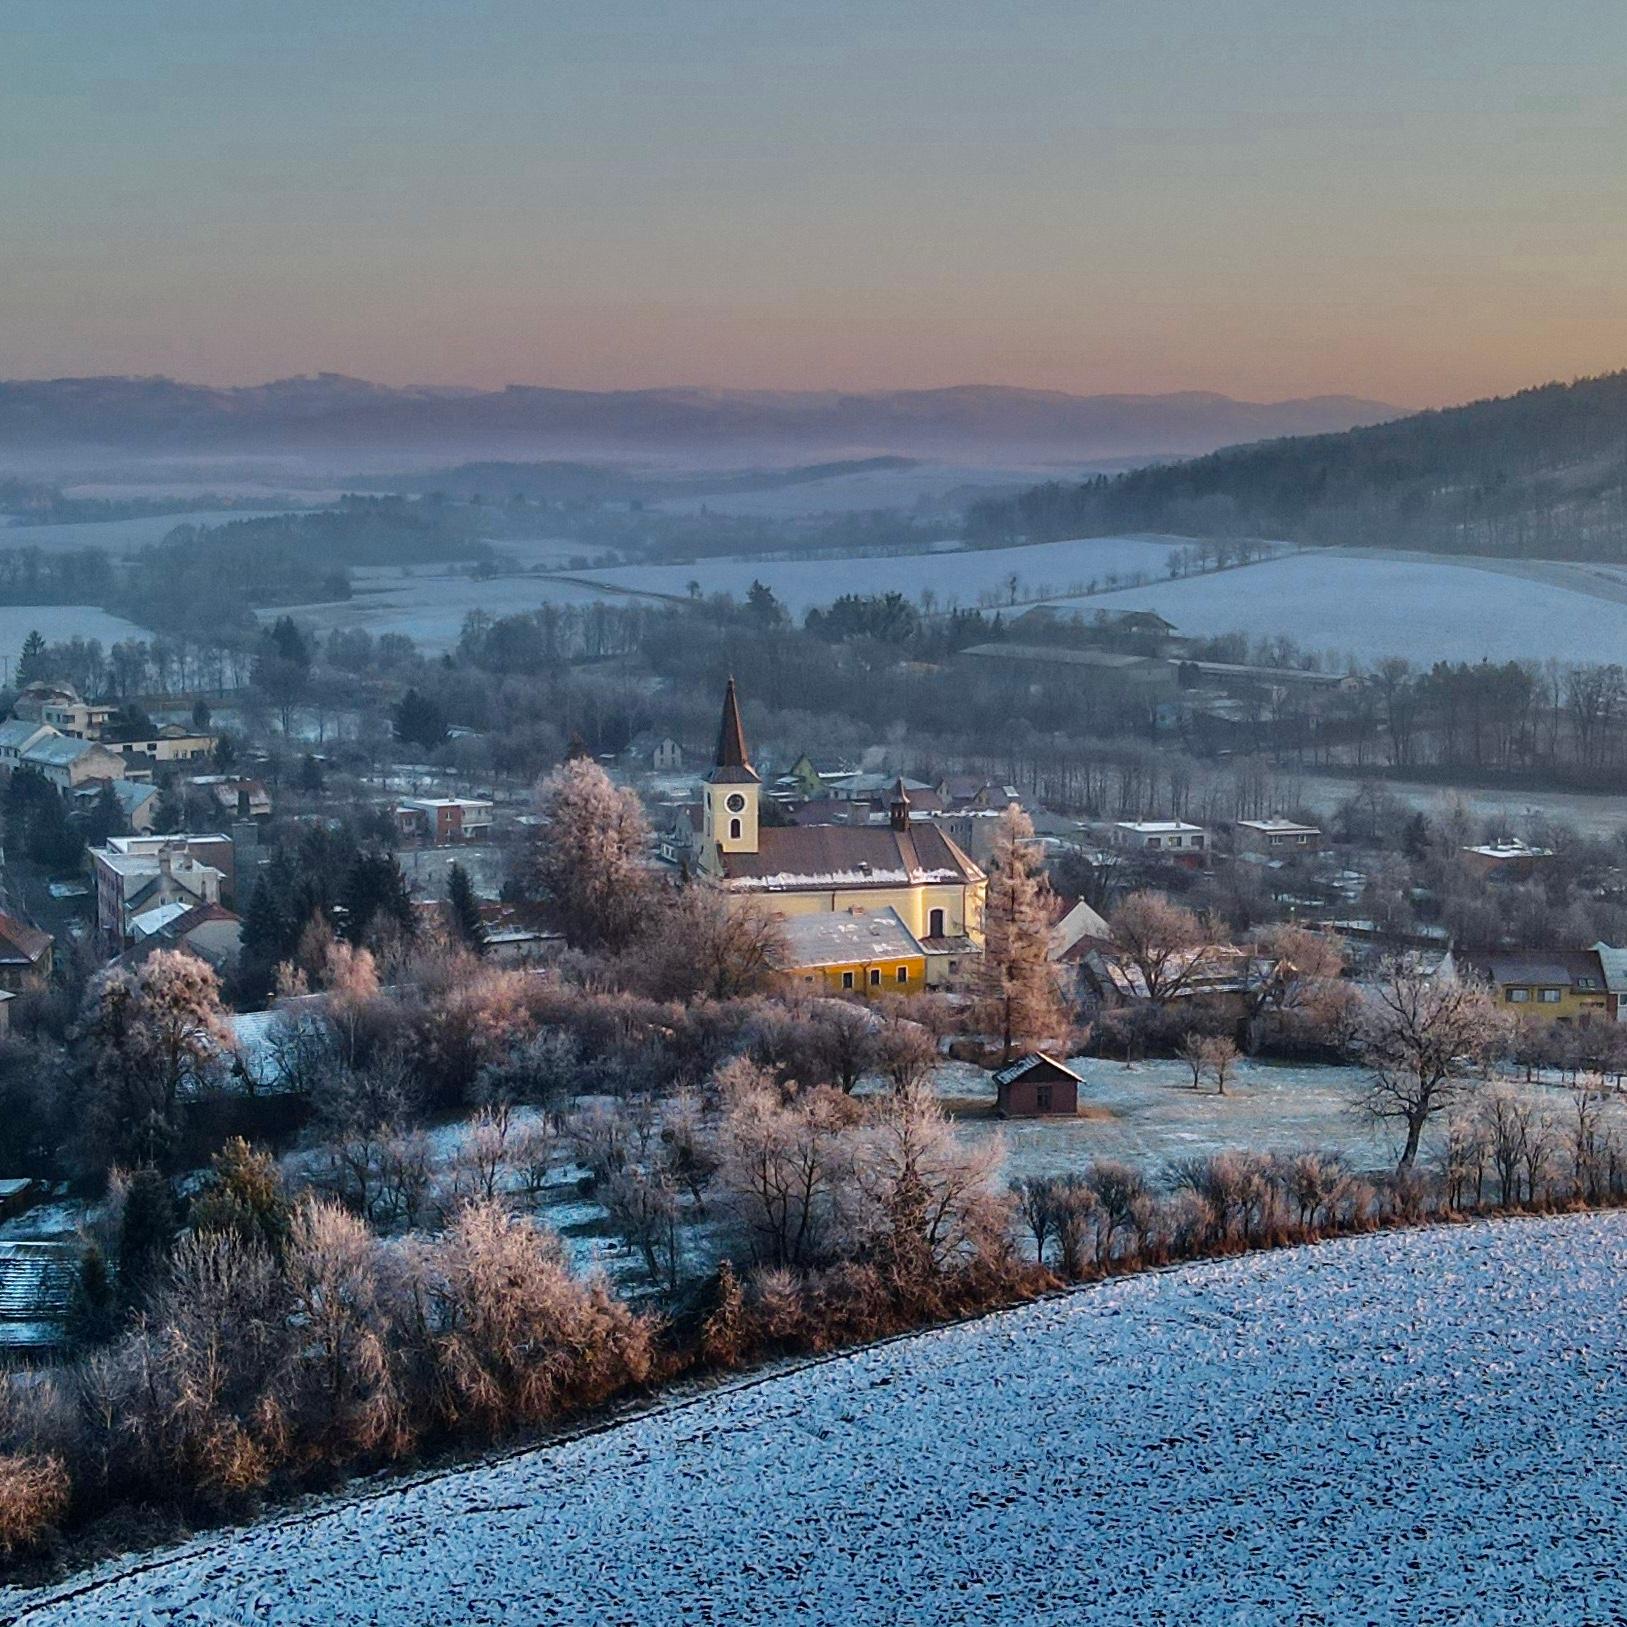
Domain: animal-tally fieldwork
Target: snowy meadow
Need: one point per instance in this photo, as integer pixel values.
(1374, 607)
(1359, 1431)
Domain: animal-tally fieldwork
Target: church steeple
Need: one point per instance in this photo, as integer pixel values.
(732, 787)
(731, 735)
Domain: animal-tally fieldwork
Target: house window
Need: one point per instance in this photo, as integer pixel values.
(734, 830)
(847, 980)
(1153, 844)
(1519, 996)
(1042, 1098)
(875, 977)
(1550, 997)
(1197, 841)
(903, 974)
(934, 923)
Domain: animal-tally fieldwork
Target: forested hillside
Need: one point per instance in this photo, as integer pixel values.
(1539, 474)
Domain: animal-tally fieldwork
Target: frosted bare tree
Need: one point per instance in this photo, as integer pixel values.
(934, 1199)
(344, 1385)
(701, 944)
(150, 1036)
(1157, 941)
(1021, 993)
(1425, 1040)
(588, 858)
(786, 1169)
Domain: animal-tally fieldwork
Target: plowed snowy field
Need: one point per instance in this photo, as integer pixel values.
(1425, 1427)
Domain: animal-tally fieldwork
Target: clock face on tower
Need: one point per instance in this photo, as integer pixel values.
(736, 802)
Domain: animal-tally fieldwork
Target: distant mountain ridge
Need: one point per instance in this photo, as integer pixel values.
(1539, 474)
(330, 412)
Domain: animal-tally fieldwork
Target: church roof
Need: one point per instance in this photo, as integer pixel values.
(814, 858)
(732, 766)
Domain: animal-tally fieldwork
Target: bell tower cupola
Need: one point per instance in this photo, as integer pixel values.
(732, 787)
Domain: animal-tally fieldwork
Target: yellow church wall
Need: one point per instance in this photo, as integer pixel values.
(914, 905)
(867, 977)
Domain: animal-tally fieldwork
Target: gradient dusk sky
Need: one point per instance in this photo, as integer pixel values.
(1417, 200)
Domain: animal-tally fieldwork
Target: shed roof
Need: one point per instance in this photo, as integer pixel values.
(1013, 1071)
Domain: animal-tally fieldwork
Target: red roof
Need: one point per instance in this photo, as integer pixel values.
(813, 858)
(20, 942)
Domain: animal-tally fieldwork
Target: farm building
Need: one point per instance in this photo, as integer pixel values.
(1035, 1086)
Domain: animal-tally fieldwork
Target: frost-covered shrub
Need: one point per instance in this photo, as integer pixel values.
(34, 1493)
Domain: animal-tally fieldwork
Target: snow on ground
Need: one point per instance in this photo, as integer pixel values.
(429, 608)
(1593, 813)
(964, 577)
(118, 537)
(1148, 1115)
(1375, 607)
(1423, 1426)
(57, 623)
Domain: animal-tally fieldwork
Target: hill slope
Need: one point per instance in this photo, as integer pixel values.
(1396, 1428)
(1538, 474)
(332, 413)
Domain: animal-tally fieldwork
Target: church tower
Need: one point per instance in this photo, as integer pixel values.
(732, 788)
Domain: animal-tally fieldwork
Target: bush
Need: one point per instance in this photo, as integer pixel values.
(33, 1498)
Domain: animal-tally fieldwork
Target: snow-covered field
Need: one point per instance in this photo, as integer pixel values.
(1148, 1115)
(429, 608)
(1425, 1426)
(117, 536)
(1374, 607)
(58, 622)
(964, 577)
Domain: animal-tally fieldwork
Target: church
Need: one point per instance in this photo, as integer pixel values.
(908, 866)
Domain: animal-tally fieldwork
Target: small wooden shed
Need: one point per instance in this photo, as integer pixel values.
(1036, 1086)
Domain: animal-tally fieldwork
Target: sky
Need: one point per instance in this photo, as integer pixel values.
(1418, 201)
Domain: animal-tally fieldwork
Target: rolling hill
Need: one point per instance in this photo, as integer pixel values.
(333, 414)
(1541, 474)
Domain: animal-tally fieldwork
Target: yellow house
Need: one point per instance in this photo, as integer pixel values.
(1555, 985)
(910, 867)
(868, 952)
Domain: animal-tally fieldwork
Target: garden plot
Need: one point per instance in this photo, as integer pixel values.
(1420, 1426)
(1372, 607)
(964, 578)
